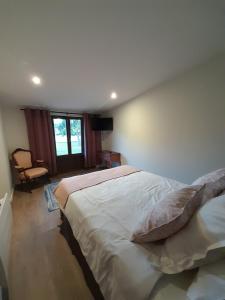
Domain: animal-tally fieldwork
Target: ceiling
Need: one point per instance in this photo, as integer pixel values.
(84, 50)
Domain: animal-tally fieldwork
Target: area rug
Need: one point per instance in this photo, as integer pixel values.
(49, 196)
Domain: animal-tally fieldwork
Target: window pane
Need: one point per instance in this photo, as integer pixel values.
(60, 136)
(75, 131)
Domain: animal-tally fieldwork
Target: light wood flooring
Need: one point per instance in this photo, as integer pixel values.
(41, 264)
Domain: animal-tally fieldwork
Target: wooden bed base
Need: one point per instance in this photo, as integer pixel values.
(66, 231)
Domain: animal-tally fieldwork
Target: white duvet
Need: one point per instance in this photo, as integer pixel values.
(103, 217)
(207, 283)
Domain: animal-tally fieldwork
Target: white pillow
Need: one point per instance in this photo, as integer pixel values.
(201, 241)
(209, 283)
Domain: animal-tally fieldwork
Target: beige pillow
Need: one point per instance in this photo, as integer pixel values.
(169, 215)
(212, 176)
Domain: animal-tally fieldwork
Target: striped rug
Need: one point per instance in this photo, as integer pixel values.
(49, 196)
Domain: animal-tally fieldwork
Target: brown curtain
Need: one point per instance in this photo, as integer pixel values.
(92, 143)
(40, 135)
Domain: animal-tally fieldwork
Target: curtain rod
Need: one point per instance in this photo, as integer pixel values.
(64, 112)
(59, 112)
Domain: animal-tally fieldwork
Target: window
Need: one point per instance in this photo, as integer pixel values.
(68, 134)
(75, 136)
(61, 140)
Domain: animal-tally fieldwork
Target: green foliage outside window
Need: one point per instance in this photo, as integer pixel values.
(75, 127)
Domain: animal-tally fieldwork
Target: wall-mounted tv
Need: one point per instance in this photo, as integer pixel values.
(102, 124)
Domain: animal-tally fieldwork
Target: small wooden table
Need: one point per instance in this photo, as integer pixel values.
(111, 159)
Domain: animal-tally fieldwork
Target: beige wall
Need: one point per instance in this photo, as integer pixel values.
(178, 128)
(15, 129)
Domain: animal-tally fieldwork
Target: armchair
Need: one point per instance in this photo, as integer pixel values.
(27, 169)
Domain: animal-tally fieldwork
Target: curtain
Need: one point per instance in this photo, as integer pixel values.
(40, 135)
(92, 143)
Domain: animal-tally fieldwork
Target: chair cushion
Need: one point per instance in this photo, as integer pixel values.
(23, 159)
(35, 172)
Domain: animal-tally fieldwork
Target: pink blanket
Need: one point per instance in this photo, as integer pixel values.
(73, 184)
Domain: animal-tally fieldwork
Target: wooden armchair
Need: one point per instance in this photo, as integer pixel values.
(27, 169)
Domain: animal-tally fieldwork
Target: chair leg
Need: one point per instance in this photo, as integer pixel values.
(25, 187)
(29, 188)
(47, 178)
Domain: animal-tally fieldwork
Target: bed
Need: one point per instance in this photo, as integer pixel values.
(100, 220)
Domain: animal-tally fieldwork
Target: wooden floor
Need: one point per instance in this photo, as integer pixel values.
(41, 265)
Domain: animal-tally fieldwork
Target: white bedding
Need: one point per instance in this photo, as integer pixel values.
(103, 217)
(173, 287)
(207, 283)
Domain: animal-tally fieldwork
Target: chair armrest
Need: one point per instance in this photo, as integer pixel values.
(19, 168)
(41, 163)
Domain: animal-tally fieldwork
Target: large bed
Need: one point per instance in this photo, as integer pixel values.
(102, 218)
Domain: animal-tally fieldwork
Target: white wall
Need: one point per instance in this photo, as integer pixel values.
(15, 128)
(176, 129)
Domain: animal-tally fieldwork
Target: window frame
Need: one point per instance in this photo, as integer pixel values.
(68, 131)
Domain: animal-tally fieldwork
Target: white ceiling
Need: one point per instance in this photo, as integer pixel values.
(83, 49)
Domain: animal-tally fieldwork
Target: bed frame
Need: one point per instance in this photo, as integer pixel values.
(66, 231)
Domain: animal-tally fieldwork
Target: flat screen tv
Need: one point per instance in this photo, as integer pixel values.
(102, 124)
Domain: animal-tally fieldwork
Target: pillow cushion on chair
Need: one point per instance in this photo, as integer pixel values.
(169, 215)
(35, 172)
(210, 177)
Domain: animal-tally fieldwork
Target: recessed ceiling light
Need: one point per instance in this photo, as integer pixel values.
(113, 95)
(36, 80)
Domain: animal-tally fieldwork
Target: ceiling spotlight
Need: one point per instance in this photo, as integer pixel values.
(36, 80)
(113, 95)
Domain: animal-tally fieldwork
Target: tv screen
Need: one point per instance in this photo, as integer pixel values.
(102, 124)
